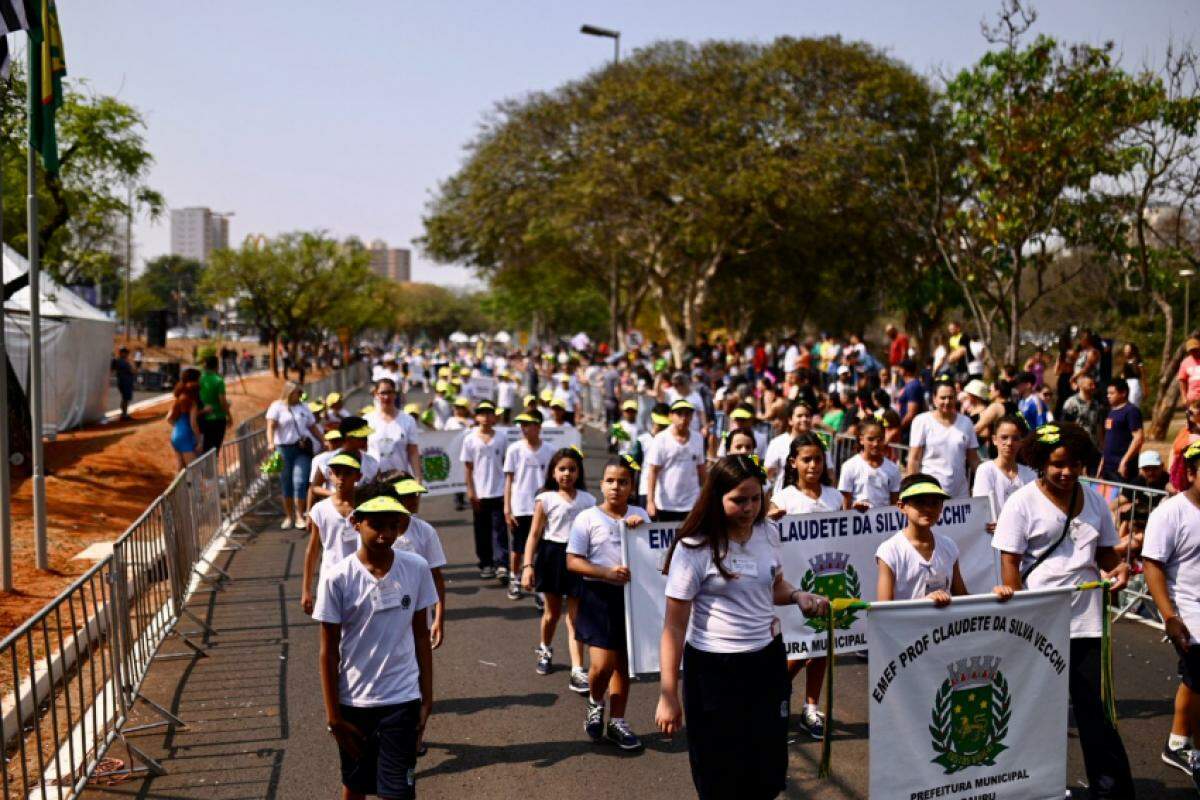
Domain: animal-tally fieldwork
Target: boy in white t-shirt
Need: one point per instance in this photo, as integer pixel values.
(482, 456)
(677, 467)
(376, 661)
(1171, 554)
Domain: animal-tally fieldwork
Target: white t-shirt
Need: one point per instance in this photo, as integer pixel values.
(441, 412)
(794, 501)
(946, 446)
(506, 395)
(378, 664)
(422, 539)
(876, 485)
(791, 359)
(390, 440)
(457, 424)
(1029, 523)
(990, 481)
(291, 422)
(728, 616)
(567, 395)
(528, 468)
(320, 464)
(625, 446)
(916, 577)
(678, 486)
(339, 539)
(487, 460)
(561, 513)
(646, 439)
(776, 458)
(1173, 538)
(760, 445)
(597, 537)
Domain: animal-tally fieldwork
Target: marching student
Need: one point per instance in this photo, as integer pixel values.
(560, 417)
(506, 396)
(999, 477)
(594, 552)
(376, 658)
(333, 441)
(393, 439)
(623, 435)
(421, 538)
(869, 479)
(525, 463)
(460, 417)
(806, 491)
(353, 433)
(334, 410)
(800, 419)
(742, 419)
(724, 579)
(676, 466)
(1171, 555)
(1053, 532)
(482, 454)
(917, 562)
(544, 568)
(440, 404)
(739, 442)
(660, 420)
(331, 536)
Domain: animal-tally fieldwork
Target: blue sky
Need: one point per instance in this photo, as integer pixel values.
(298, 114)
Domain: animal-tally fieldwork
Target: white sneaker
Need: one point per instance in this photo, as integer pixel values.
(286, 524)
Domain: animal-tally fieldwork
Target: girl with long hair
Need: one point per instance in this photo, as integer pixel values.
(184, 417)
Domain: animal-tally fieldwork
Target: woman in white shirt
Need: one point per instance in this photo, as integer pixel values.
(723, 585)
(942, 443)
(393, 441)
(1054, 532)
(289, 423)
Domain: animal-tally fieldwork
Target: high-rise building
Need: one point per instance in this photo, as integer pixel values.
(196, 232)
(394, 263)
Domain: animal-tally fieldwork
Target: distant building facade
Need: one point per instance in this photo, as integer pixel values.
(197, 232)
(393, 263)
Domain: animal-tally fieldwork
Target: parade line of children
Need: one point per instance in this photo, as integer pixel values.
(372, 576)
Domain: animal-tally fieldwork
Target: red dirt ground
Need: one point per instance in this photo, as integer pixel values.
(100, 479)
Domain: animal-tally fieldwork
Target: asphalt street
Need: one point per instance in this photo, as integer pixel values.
(255, 721)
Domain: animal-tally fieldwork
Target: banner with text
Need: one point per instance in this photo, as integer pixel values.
(829, 553)
(970, 700)
(440, 450)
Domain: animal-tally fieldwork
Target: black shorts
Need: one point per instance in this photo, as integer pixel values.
(550, 570)
(387, 764)
(670, 516)
(601, 618)
(1189, 668)
(736, 708)
(521, 533)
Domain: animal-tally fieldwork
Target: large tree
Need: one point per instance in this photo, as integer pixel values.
(688, 170)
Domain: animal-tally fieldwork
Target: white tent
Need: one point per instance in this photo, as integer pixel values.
(77, 342)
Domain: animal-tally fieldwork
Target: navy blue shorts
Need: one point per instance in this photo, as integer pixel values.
(601, 618)
(386, 767)
(1189, 668)
(550, 570)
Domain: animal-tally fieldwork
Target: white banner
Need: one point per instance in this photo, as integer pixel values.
(829, 553)
(440, 450)
(970, 700)
(481, 388)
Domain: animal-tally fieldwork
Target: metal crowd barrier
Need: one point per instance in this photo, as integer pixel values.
(846, 447)
(1131, 505)
(72, 672)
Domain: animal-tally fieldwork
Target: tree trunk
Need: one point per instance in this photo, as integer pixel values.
(1168, 387)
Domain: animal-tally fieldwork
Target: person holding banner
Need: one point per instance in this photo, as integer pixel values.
(806, 491)
(942, 442)
(545, 565)
(917, 562)
(676, 467)
(594, 551)
(724, 580)
(1171, 555)
(1054, 533)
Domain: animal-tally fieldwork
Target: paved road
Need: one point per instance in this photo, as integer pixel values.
(256, 726)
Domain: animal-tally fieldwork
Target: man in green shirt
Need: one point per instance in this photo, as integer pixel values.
(215, 416)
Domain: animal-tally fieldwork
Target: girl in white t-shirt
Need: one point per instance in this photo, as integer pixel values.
(869, 479)
(1000, 477)
(331, 534)
(917, 562)
(724, 582)
(739, 442)
(806, 491)
(544, 568)
(594, 553)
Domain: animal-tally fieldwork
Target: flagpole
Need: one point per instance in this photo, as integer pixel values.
(35, 338)
(6, 576)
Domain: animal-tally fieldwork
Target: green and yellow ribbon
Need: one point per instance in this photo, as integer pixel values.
(835, 606)
(1108, 694)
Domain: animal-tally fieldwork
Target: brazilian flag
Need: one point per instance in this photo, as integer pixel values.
(47, 66)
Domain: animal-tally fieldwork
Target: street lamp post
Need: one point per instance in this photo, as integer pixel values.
(1187, 274)
(614, 276)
